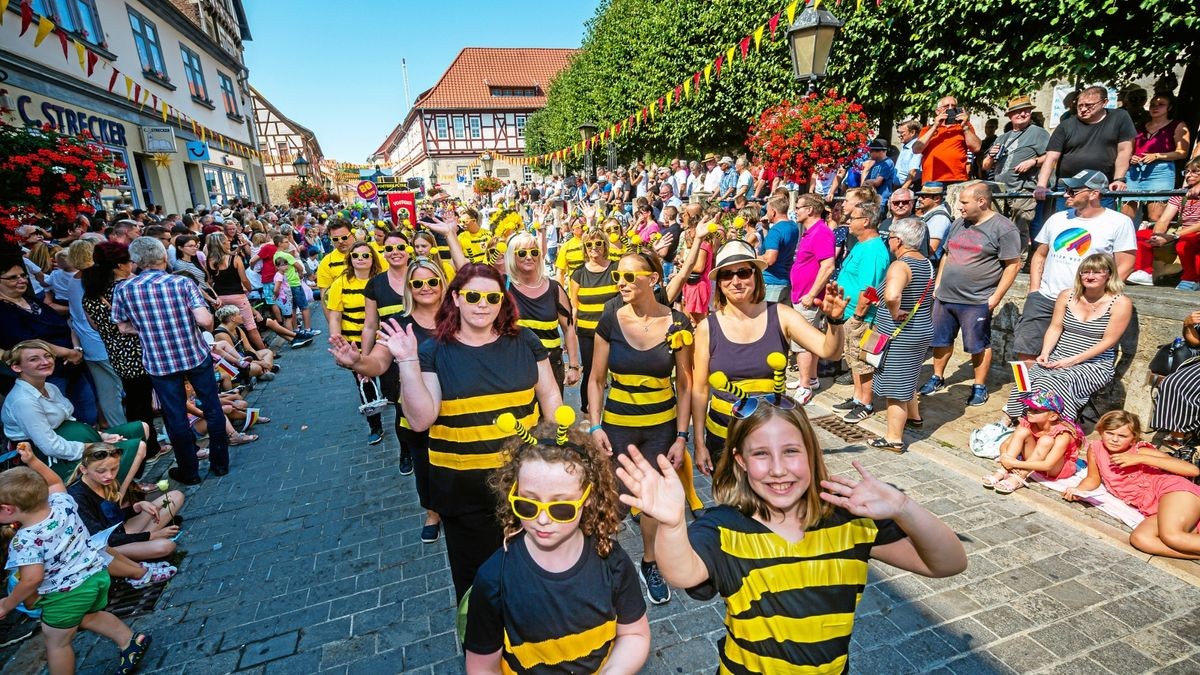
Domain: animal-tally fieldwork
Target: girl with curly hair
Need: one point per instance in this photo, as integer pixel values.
(561, 593)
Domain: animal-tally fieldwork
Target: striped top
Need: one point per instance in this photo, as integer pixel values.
(570, 256)
(387, 301)
(540, 314)
(746, 366)
(333, 265)
(474, 246)
(1079, 336)
(346, 296)
(478, 384)
(552, 622)
(595, 289)
(806, 591)
(641, 392)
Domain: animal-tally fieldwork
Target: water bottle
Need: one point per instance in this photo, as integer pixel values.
(1175, 347)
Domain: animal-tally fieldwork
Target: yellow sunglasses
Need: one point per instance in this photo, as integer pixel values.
(388, 248)
(559, 512)
(629, 277)
(344, 237)
(528, 253)
(473, 297)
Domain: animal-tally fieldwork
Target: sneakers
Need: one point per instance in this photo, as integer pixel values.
(16, 628)
(935, 383)
(406, 464)
(657, 589)
(844, 378)
(849, 404)
(979, 395)
(1188, 286)
(814, 384)
(156, 573)
(803, 395)
(266, 377)
(431, 532)
(132, 655)
(375, 438)
(859, 413)
(1140, 278)
(301, 340)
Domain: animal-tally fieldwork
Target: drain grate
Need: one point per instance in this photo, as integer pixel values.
(126, 601)
(835, 425)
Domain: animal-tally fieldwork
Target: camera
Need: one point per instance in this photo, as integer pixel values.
(952, 116)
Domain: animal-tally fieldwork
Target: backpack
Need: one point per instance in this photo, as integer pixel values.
(986, 441)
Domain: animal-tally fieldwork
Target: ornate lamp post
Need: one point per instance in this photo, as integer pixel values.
(487, 160)
(586, 131)
(810, 39)
(302, 166)
(433, 174)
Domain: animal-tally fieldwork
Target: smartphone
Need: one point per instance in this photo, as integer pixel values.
(872, 295)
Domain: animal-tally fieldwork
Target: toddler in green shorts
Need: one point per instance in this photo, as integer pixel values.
(59, 566)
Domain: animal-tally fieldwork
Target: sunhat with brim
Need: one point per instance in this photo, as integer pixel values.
(736, 252)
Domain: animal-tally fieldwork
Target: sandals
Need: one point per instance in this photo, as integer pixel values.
(885, 444)
(1010, 484)
(132, 655)
(242, 438)
(990, 481)
(156, 573)
(201, 453)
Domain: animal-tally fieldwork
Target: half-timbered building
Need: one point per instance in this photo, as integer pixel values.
(283, 140)
(481, 103)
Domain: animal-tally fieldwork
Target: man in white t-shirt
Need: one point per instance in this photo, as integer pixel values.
(679, 176)
(1062, 244)
(712, 179)
(745, 179)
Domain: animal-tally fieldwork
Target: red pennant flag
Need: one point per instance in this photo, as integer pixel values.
(645, 113)
(720, 60)
(696, 81)
(660, 103)
(137, 92)
(91, 64)
(745, 45)
(62, 39)
(112, 81)
(678, 92)
(773, 24)
(26, 16)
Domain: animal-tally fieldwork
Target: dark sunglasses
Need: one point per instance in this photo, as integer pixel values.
(1071, 192)
(746, 407)
(473, 297)
(360, 256)
(529, 253)
(898, 202)
(14, 277)
(418, 284)
(594, 245)
(559, 512)
(628, 277)
(103, 453)
(341, 238)
(388, 248)
(743, 274)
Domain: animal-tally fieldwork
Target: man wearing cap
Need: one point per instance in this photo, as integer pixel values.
(1015, 157)
(983, 256)
(1061, 245)
(931, 205)
(883, 171)
(729, 181)
(944, 144)
(712, 179)
(1095, 138)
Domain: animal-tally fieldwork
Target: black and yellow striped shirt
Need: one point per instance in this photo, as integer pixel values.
(789, 607)
(478, 384)
(474, 246)
(552, 622)
(595, 289)
(346, 296)
(540, 314)
(641, 392)
(388, 302)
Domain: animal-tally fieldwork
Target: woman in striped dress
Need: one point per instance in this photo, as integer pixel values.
(1079, 350)
(346, 306)
(542, 306)
(1177, 409)
(591, 286)
(908, 280)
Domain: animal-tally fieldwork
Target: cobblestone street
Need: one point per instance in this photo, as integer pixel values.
(306, 558)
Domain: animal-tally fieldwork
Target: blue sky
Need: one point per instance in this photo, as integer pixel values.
(335, 67)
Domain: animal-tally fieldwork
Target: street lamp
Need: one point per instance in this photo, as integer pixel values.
(810, 39)
(302, 166)
(433, 172)
(586, 131)
(488, 161)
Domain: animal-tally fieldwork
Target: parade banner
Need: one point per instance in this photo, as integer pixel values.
(367, 190)
(403, 206)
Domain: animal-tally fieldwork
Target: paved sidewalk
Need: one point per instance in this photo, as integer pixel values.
(306, 558)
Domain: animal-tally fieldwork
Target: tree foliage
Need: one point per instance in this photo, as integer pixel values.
(896, 58)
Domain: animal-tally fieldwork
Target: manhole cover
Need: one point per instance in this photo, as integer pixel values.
(126, 601)
(838, 427)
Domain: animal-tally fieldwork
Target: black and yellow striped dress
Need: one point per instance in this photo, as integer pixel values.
(789, 607)
(474, 246)
(641, 392)
(746, 366)
(552, 622)
(540, 314)
(346, 296)
(595, 289)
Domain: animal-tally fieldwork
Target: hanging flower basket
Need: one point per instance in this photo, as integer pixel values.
(303, 194)
(49, 178)
(818, 131)
(487, 185)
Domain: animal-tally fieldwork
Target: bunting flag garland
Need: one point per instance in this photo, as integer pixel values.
(758, 36)
(81, 52)
(26, 17)
(707, 73)
(774, 22)
(44, 27)
(3, 10)
(791, 11)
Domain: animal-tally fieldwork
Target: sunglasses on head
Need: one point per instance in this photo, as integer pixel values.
(344, 237)
(559, 512)
(473, 297)
(628, 277)
(743, 273)
(360, 256)
(418, 284)
(529, 253)
(103, 453)
(746, 407)
(388, 248)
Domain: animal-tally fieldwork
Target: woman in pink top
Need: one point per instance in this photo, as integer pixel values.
(697, 289)
(1044, 443)
(1155, 483)
(1157, 146)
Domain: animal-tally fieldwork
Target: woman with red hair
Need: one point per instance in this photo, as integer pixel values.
(479, 365)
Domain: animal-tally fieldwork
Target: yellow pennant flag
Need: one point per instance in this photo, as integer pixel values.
(3, 10)
(791, 11)
(164, 110)
(687, 87)
(729, 57)
(707, 73)
(44, 27)
(859, 5)
(758, 33)
(81, 51)
(670, 94)
(145, 97)
(816, 4)
(638, 118)
(128, 87)
(653, 105)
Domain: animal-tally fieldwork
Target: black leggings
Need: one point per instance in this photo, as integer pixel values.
(471, 538)
(139, 405)
(417, 446)
(586, 344)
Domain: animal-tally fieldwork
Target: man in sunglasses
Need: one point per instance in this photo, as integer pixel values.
(1015, 157)
(1095, 138)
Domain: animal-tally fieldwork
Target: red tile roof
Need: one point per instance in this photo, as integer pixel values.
(465, 84)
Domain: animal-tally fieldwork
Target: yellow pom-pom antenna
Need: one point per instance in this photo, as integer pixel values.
(778, 364)
(739, 222)
(509, 424)
(656, 236)
(636, 240)
(612, 238)
(409, 249)
(719, 380)
(565, 417)
(407, 222)
(712, 228)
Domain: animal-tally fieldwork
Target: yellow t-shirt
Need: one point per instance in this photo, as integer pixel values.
(346, 296)
(570, 255)
(334, 264)
(474, 246)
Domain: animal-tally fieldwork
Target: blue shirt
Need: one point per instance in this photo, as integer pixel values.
(89, 339)
(887, 171)
(865, 266)
(783, 237)
(729, 181)
(905, 162)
